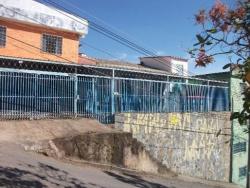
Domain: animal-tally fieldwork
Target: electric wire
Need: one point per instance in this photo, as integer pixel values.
(138, 47)
(101, 50)
(116, 35)
(40, 49)
(112, 35)
(76, 21)
(52, 54)
(33, 46)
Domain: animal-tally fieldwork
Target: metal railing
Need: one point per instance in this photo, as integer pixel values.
(37, 95)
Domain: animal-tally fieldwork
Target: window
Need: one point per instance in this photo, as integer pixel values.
(179, 68)
(2, 36)
(239, 147)
(52, 44)
(243, 86)
(243, 171)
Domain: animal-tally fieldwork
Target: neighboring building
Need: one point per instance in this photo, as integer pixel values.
(122, 65)
(85, 60)
(127, 69)
(240, 137)
(170, 64)
(31, 30)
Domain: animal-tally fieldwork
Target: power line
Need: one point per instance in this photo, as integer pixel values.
(58, 56)
(111, 35)
(169, 98)
(46, 25)
(149, 52)
(40, 49)
(120, 38)
(32, 52)
(90, 46)
(96, 18)
(172, 100)
(98, 71)
(92, 28)
(100, 50)
(186, 130)
(53, 54)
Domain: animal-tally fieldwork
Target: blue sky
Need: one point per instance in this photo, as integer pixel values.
(164, 26)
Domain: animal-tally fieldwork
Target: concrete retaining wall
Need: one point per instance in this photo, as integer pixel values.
(193, 144)
(112, 148)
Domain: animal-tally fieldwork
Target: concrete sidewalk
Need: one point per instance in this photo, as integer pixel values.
(24, 169)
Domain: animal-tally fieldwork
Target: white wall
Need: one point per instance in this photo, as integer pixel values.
(157, 63)
(176, 70)
(33, 12)
(165, 64)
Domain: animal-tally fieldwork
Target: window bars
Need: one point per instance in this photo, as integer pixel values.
(239, 147)
(52, 44)
(2, 36)
(243, 171)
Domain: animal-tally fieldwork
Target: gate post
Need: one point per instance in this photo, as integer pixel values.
(94, 99)
(76, 96)
(113, 93)
(208, 97)
(35, 99)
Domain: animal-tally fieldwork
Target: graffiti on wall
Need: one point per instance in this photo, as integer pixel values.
(187, 143)
(173, 120)
(55, 19)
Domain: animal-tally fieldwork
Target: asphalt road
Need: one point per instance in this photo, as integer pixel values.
(26, 170)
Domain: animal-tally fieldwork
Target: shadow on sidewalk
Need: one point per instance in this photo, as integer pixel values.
(37, 176)
(134, 180)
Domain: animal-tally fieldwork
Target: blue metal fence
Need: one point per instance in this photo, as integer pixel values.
(38, 95)
(159, 96)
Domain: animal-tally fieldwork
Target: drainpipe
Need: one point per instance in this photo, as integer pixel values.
(76, 96)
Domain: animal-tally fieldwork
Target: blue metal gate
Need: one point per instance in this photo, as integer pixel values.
(39, 95)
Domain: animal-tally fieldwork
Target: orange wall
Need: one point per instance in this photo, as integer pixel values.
(32, 35)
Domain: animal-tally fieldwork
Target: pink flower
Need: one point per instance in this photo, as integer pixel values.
(218, 11)
(224, 27)
(201, 17)
(203, 59)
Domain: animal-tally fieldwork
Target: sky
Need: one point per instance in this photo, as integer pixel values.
(166, 27)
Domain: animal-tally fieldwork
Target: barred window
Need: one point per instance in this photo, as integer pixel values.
(52, 44)
(2, 36)
(239, 147)
(179, 68)
(243, 86)
(243, 171)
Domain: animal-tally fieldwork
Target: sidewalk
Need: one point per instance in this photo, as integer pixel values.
(24, 169)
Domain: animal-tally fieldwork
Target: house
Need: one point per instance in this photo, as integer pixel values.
(31, 30)
(240, 137)
(83, 59)
(170, 64)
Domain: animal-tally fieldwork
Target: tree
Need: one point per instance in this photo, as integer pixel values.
(226, 31)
